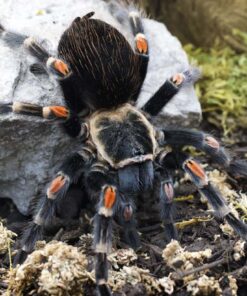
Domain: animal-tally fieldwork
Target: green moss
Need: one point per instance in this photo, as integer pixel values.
(223, 88)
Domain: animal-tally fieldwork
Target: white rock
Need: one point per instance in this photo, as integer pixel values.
(30, 148)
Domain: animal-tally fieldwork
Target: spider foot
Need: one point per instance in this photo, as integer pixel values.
(20, 257)
(12, 39)
(170, 232)
(238, 169)
(189, 76)
(103, 290)
(239, 226)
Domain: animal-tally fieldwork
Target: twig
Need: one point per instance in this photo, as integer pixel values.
(154, 248)
(238, 272)
(180, 275)
(195, 220)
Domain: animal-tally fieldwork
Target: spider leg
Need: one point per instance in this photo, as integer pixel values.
(56, 67)
(69, 173)
(141, 43)
(48, 112)
(103, 236)
(206, 143)
(62, 114)
(167, 91)
(101, 187)
(199, 178)
(50, 215)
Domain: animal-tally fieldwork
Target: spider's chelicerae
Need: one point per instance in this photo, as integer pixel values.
(122, 154)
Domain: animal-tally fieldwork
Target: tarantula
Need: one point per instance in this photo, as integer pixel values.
(122, 153)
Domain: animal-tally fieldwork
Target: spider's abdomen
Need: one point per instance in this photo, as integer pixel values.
(123, 136)
(106, 69)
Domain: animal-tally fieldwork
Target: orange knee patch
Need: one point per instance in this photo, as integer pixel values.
(196, 169)
(169, 191)
(61, 67)
(141, 43)
(212, 142)
(109, 197)
(57, 184)
(59, 111)
(178, 78)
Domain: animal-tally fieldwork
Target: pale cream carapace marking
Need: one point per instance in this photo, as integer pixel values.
(119, 115)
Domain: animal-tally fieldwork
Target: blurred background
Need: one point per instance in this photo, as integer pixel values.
(214, 35)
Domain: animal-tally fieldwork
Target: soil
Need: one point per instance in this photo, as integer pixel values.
(195, 237)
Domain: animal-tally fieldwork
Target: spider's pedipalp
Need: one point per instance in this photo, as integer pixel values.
(165, 192)
(125, 217)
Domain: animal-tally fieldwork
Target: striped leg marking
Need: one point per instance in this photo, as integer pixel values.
(214, 197)
(103, 237)
(48, 112)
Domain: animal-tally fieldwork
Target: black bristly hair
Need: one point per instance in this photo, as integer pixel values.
(107, 73)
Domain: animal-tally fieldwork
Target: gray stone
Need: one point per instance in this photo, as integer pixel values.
(31, 149)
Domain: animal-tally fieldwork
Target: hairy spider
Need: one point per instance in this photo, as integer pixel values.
(122, 154)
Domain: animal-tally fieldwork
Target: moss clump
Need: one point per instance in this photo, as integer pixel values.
(222, 90)
(56, 269)
(6, 239)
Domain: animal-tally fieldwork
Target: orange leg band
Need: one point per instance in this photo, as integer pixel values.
(57, 184)
(61, 67)
(109, 197)
(196, 169)
(59, 111)
(141, 44)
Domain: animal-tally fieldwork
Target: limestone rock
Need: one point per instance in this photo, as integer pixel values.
(31, 149)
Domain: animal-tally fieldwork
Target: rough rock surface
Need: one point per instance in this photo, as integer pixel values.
(30, 148)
